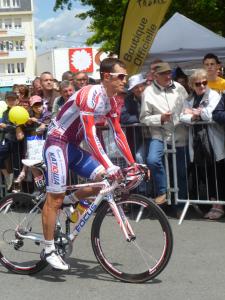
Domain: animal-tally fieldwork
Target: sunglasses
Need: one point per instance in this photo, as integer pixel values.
(120, 76)
(200, 83)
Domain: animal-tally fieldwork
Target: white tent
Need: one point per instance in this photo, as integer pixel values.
(184, 42)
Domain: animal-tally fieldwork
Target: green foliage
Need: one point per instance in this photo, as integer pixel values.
(107, 17)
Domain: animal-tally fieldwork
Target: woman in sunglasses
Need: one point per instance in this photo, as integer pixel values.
(206, 141)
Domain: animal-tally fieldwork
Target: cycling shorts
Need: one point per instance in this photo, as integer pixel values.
(60, 157)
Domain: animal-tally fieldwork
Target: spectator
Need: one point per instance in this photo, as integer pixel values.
(132, 106)
(80, 80)
(131, 114)
(182, 78)
(12, 154)
(162, 104)
(199, 107)
(23, 95)
(150, 74)
(66, 89)
(35, 130)
(212, 66)
(36, 88)
(15, 89)
(68, 75)
(49, 93)
(56, 84)
(39, 117)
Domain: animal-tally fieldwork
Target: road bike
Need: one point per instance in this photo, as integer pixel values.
(130, 235)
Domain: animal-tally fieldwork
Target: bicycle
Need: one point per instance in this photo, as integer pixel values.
(131, 236)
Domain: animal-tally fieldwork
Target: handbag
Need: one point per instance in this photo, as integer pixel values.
(202, 148)
(35, 146)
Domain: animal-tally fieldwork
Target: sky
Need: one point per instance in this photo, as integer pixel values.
(59, 29)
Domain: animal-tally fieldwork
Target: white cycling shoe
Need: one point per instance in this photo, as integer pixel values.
(55, 260)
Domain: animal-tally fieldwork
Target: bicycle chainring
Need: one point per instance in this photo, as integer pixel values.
(64, 245)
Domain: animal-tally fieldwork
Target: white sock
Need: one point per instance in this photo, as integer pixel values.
(71, 198)
(49, 246)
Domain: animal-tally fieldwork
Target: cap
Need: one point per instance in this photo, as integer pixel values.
(10, 95)
(35, 99)
(135, 80)
(162, 67)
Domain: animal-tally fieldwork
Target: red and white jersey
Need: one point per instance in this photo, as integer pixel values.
(78, 117)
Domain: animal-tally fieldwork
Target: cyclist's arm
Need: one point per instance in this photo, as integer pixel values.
(93, 140)
(120, 139)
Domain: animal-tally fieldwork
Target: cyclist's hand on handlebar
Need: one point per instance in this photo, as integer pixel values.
(142, 168)
(114, 173)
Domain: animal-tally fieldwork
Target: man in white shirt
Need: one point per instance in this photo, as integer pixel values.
(162, 104)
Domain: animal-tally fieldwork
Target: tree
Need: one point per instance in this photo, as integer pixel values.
(107, 17)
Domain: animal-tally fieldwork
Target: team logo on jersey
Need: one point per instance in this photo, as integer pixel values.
(92, 100)
(54, 168)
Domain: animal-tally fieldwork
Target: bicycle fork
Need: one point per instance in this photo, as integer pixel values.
(121, 219)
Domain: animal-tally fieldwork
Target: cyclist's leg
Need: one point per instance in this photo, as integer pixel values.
(85, 165)
(56, 162)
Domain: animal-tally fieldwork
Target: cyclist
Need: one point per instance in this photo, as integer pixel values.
(76, 121)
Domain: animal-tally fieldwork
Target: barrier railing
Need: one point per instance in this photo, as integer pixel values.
(196, 178)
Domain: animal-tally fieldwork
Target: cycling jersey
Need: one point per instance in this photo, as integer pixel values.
(78, 116)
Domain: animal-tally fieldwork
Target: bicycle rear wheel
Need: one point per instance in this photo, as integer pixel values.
(144, 257)
(18, 215)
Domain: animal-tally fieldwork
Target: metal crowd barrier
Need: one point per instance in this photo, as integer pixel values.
(133, 133)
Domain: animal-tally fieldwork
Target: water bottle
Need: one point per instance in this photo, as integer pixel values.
(81, 207)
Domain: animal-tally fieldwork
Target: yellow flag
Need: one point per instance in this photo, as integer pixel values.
(141, 23)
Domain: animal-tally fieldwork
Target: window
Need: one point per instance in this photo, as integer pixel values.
(10, 3)
(2, 68)
(16, 3)
(1, 45)
(17, 23)
(8, 45)
(20, 67)
(8, 23)
(6, 3)
(11, 68)
(19, 45)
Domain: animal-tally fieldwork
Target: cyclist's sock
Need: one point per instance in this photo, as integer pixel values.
(49, 246)
(70, 199)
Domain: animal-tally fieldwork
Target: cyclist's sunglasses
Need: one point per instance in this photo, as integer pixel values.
(120, 76)
(198, 84)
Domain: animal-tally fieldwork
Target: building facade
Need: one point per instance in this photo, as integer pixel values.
(17, 43)
(57, 61)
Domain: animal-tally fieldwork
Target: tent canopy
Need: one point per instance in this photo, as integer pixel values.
(183, 40)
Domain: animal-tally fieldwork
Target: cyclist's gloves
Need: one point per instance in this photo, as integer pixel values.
(114, 172)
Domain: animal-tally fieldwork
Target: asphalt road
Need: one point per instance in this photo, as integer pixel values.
(195, 271)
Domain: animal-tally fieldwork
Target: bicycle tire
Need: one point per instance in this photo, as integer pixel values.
(119, 257)
(21, 256)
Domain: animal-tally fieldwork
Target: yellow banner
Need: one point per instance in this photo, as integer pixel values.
(141, 23)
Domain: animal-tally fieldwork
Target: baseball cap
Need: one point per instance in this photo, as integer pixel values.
(35, 99)
(162, 67)
(135, 80)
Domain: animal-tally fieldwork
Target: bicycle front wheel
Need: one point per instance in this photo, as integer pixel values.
(147, 254)
(20, 232)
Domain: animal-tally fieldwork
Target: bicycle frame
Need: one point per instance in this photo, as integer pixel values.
(105, 194)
